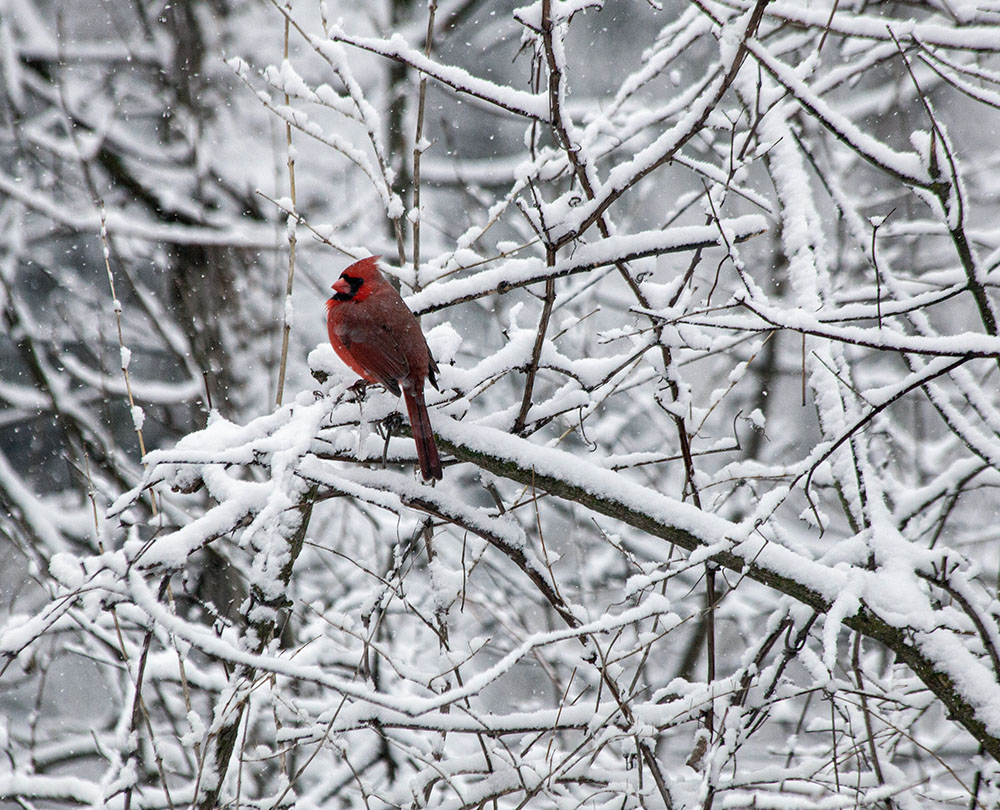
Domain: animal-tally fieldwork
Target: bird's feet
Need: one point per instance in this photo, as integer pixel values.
(392, 423)
(359, 389)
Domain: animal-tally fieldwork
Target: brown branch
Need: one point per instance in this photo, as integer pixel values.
(261, 631)
(865, 621)
(567, 267)
(691, 129)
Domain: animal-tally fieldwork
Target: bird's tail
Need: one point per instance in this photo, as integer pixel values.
(423, 435)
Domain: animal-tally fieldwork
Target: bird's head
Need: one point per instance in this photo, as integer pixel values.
(358, 281)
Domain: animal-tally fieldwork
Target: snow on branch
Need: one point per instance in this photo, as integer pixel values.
(932, 649)
(712, 296)
(529, 105)
(515, 273)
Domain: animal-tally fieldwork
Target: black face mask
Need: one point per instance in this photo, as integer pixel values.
(355, 283)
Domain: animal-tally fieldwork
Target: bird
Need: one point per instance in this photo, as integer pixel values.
(380, 340)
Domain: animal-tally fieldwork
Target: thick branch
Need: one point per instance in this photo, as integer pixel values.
(770, 565)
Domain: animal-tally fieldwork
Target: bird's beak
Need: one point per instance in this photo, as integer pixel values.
(340, 286)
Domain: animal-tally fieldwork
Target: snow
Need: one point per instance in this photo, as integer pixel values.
(138, 417)
(627, 247)
(246, 234)
(517, 101)
(878, 27)
(739, 273)
(906, 165)
(887, 337)
(700, 529)
(41, 787)
(682, 522)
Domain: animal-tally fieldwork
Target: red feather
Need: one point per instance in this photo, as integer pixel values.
(375, 334)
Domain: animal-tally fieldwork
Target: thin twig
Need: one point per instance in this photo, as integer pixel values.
(418, 146)
(292, 241)
(126, 354)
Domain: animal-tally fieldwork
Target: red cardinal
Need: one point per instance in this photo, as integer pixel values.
(378, 337)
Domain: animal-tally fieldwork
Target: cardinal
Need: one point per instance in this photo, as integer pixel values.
(376, 335)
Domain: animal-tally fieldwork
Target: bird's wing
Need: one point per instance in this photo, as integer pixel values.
(377, 351)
